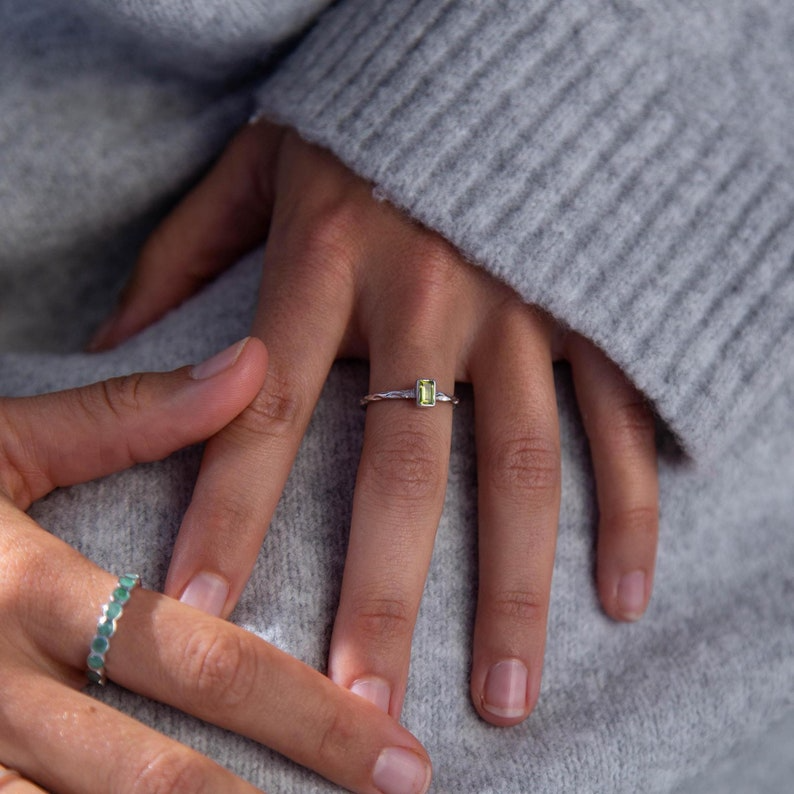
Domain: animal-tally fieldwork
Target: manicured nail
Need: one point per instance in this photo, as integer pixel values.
(373, 689)
(207, 592)
(631, 595)
(505, 691)
(399, 771)
(219, 362)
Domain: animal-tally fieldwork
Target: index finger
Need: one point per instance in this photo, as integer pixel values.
(305, 304)
(227, 676)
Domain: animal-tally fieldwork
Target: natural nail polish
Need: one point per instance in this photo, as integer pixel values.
(399, 771)
(373, 689)
(631, 595)
(505, 691)
(207, 592)
(219, 362)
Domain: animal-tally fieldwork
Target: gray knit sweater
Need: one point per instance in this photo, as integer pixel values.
(627, 166)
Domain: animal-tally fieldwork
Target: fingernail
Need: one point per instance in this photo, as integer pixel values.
(631, 595)
(219, 362)
(505, 691)
(206, 592)
(373, 689)
(399, 771)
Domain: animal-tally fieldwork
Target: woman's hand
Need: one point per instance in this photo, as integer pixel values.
(50, 600)
(348, 275)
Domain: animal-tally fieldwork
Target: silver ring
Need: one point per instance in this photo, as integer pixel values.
(106, 627)
(424, 393)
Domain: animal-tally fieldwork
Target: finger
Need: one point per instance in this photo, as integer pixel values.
(73, 436)
(214, 670)
(11, 782)
(518, 466)
(621, 430)
(305, 305)
(86, 747)
(398, 498)
(223, 218)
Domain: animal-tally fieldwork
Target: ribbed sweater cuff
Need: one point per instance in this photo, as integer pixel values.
(593, 156)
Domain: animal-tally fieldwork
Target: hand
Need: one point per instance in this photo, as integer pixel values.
(348, 275)
(50, 600)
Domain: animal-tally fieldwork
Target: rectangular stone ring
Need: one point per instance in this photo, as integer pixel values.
(424, 393)
(106, 627)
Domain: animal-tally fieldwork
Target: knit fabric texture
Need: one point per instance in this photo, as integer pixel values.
(626, 166)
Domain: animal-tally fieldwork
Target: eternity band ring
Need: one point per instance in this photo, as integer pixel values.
(106, 627)
(424, 394)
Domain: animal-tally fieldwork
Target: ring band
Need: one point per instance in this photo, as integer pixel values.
(424, 393)
(106, 627)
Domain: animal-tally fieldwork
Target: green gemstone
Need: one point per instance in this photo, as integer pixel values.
(120, 595)
(425, 392)
(112, 611)
(96, 662)
(106, 628)
(94, 677)
(100, 645)
(128, 581)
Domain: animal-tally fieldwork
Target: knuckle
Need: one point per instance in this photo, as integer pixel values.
(337, 732)
(525, 464)
(407, 466)
(15, 468)
(638, 522)
(172, 771)
(632, 426)
(382, 620)
(24, 573)
(439, 267)
(522, 607)
(431, 280)
(276, 409)
(230, 510)
(434, 273)
(222, 668)
(123, 395)
(326, 240)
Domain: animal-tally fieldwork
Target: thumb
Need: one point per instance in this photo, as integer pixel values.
(73, 436)
(223, 218)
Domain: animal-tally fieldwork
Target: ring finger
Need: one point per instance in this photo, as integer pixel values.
(397, 505)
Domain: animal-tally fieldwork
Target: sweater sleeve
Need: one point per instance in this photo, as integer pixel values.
(626, 167)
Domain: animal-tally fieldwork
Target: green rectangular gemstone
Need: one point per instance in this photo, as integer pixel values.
(425, 392)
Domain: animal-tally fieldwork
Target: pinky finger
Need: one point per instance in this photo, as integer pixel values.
(620, 427)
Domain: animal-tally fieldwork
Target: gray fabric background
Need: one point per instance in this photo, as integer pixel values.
(102, 126)
(623, 708)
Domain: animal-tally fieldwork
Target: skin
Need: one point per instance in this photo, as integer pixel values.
(60, 739)
(346, 274)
